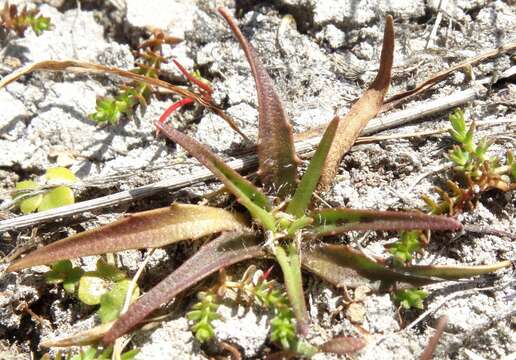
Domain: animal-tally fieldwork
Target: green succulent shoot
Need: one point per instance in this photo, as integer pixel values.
(404, 249)
(477, 171)
(202, 315)
(19, 21)
(278, 220)
(57, 195)
(411, 298)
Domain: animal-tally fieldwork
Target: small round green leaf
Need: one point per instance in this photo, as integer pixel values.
(59, 196)
(60, 175)
(30, 204)
(111, 302)
(91, 288)
(109, 272)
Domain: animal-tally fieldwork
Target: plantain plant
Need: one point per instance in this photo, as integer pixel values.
(277, 220)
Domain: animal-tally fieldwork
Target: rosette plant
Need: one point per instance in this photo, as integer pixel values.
(278, 218)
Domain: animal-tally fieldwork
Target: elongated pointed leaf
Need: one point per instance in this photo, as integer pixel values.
(226, 250)
(329, 222)
(363, 110)
(276, 152)
(344, 266)
(306, 187)
(247, 194)
(146, 229)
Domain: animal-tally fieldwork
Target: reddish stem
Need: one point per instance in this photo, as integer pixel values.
(163, 118)
(192, 79)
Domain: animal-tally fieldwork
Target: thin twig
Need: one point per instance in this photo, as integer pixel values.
(442, 3)
(406, 95)
(443, 167)
(118, 347)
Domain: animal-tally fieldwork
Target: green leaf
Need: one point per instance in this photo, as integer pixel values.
(109, 272)
(59, 196)
(111, 303)
(89, 354)
(107, 111)
(153, 228)
(403, 249)
(64, 272)
(40, 24)
(276, 153)
(306, 187)
(60, 175)
(92, 287)
(411, 298)
(344, 266)
(329, 222)
(29, 204)
(458, 131)
(247, 194)
(458, 156)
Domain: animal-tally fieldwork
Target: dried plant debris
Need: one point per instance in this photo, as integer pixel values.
(278, 222)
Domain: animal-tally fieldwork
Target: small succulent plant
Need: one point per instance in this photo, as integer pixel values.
(477, 171)
(19, 21)
(276, 221)
(58, 194)
(411, 298)
(109, 110)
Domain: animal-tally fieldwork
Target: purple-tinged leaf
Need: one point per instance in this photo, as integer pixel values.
(153, 228)
(247, 194)
(224, 251)
(306, 187)
(276, 153)
(363, 110)
(343, 345)
(342, 265)
(329, 222)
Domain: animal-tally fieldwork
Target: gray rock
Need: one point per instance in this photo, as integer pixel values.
(170, 341)
(380, 314)
(243, 327)
(174, 16)
(75, 35)
(335, 37)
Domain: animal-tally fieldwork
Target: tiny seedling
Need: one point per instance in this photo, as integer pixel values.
(52, 193)
(277, 220)
(404, 249)
(149, 59)
(19, 21)
(477, 171)
(411, 298)
(63, 272)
